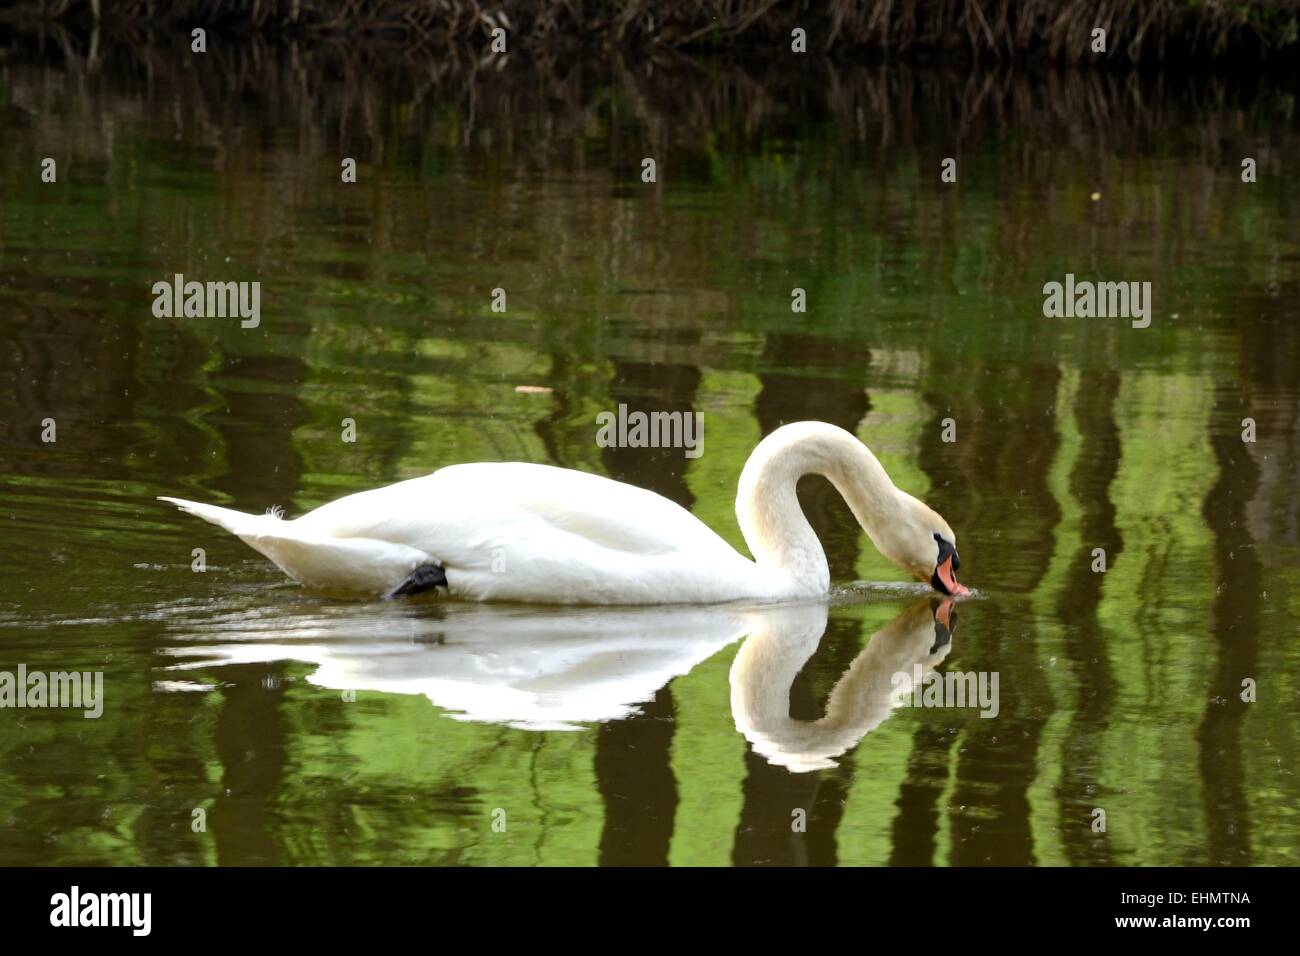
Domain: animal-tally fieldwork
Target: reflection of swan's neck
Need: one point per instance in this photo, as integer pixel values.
(777, 649)
(767, 505)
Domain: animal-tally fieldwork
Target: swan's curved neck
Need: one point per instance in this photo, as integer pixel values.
(767, 505)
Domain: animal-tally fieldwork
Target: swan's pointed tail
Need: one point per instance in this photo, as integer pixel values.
(236, 522)
(259, 532)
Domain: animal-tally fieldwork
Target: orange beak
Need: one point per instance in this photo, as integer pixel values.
(946, 581)
(943, 614)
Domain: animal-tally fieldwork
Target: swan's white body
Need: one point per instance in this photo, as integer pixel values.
(536, 533)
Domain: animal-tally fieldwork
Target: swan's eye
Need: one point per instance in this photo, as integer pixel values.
(946, 548)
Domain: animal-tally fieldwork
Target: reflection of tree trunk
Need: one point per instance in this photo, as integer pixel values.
(257, 431)
(1011, 464)
(549, 429)
(634, 756)
(1271, 355)
(647, 387)
(1257, 483)
(1078, 791)
(1235, 621)
(249, 741)
(634, 771)
(916, 826)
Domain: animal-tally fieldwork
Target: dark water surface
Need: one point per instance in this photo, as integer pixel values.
(317, 731)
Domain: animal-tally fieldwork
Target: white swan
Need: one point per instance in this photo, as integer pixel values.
(536, 533)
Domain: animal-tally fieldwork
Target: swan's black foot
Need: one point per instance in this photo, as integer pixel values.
(424, 578)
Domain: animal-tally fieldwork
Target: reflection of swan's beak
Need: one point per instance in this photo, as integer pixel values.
(944, 615)
(945, 622)
(945, 579)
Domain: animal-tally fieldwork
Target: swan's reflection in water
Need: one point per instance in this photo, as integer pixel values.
(563, 669)
(781, 642)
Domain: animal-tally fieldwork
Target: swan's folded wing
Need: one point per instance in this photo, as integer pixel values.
(467, 503)
(521, 532)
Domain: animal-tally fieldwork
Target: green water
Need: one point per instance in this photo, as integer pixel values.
(317, 731)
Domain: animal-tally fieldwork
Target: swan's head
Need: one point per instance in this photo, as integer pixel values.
(926, 547)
